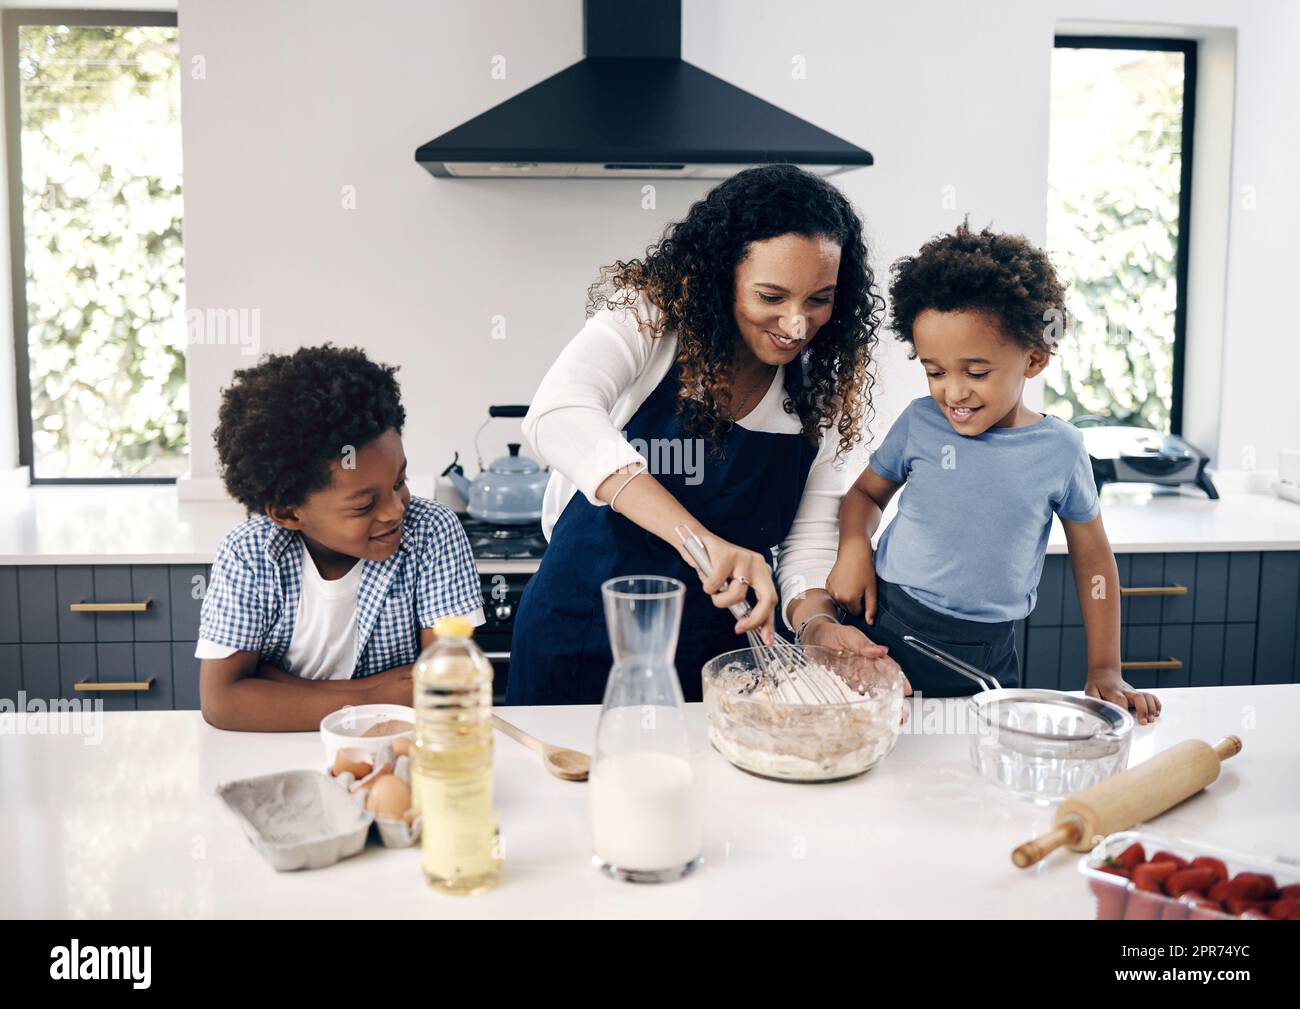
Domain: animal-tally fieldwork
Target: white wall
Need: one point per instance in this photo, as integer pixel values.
(299, 101)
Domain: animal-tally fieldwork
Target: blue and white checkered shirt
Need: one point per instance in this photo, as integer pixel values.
(252, 598)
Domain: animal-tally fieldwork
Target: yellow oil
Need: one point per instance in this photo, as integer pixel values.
(452, 766)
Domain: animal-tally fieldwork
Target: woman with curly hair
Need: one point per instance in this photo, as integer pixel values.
(718, 383)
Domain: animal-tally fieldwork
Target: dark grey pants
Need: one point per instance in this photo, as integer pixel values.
(988, 647)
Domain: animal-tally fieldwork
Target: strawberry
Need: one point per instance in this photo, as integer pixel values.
(1287, 908)
(1131, 857)
(1289, 892)
(1180, 882)
(1251, 886)
(1169, 856)
(1219, 892)
(1206, 862)
(1150, 875)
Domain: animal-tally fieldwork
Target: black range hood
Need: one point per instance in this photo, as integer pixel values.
(633, 109)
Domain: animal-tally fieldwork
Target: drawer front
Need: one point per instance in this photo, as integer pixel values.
(153, 661)
(1145, 571)
(40, 677)
(1222, 655)
(11, 671)
(116, 663)
(114, 585)
(1074, 659)
(188, 583)
(47, 648)
(9, 632)
(1142, 644)
(185, 676)
(1042, 660)
(1277, 658)
(1051, 591)
(152, 582)
(38, 618)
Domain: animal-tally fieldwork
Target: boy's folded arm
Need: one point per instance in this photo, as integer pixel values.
(243, 694)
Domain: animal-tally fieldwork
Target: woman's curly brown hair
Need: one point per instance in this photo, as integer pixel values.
(690, 275)
(283, 423)
(1003, 276)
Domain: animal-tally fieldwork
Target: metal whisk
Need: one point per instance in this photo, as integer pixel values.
(784, 672)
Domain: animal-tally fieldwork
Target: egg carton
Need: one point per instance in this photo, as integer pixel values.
(393, 833)
(297, 819)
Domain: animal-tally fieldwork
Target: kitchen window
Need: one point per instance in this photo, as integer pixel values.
(94, 156)
(1119, 191)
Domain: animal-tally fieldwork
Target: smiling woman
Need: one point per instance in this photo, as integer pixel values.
(747, 329)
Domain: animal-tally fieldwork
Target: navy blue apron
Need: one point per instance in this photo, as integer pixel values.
(747, 495)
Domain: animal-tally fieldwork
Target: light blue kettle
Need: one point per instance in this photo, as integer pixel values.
(509, 490)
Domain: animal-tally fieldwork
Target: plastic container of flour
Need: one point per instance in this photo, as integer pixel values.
(364, 727)
(298, 819)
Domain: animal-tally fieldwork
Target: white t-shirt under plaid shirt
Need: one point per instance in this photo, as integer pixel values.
(253, 595)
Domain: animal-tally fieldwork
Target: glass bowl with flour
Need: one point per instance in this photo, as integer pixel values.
(773, 731)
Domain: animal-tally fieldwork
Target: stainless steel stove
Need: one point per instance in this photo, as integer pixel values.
(499, 542)
(506, 557)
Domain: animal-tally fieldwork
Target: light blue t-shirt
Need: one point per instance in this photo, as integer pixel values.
(973, 519)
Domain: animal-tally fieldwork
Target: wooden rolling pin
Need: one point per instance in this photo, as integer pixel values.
(1131, 797)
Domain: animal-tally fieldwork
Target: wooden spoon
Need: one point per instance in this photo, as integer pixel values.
(568, 765)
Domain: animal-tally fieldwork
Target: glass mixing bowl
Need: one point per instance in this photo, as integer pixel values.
(1044, 745)
(793, 737)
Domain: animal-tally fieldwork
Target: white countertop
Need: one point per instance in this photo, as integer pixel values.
(145, 524)
(131, 827)
(131, 524)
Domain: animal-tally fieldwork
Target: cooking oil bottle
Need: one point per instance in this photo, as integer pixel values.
(452, 766)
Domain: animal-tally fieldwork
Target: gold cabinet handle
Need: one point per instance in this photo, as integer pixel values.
(87, 687)
(1153, 664)
(113, 607)
(1154, 590)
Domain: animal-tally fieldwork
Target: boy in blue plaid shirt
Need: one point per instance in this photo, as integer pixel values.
(325, 596)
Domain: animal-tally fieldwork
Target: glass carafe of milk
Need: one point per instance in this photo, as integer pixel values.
(642, 795)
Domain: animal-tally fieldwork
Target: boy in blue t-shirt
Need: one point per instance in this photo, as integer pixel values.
(960, 562)
(325, 596)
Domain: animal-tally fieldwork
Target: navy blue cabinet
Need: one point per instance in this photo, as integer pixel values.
(126, 633)
(1188, 619)
(120, 633)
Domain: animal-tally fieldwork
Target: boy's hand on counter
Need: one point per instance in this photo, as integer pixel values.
(852, 581)
(1109, 685)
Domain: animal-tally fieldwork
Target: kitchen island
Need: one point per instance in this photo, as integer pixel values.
(128, 825)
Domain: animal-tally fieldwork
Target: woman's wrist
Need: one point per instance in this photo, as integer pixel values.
(809, 627)
(803, 606)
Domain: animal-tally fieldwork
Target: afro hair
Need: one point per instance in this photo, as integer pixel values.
(1002, 276)
(284, 422)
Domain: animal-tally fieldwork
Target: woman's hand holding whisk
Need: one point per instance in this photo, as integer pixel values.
(736, 572)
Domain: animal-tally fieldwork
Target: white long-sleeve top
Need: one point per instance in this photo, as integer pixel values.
(599, 381)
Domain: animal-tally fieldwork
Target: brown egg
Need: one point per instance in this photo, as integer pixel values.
(409, 817)
(389, 797)
(402, 747)
(345, 760)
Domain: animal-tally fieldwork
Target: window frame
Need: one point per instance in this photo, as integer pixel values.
(1189, 49)
(10, 23)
